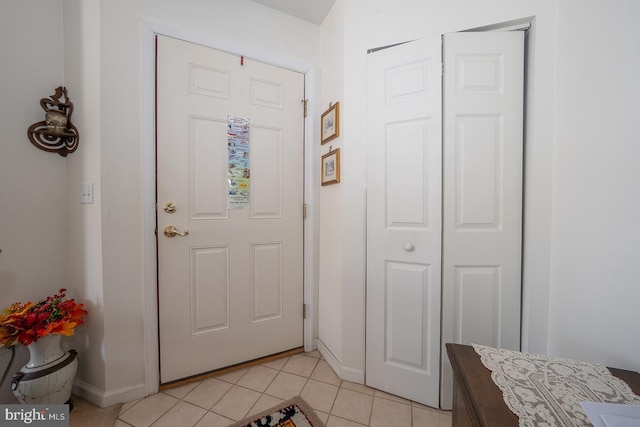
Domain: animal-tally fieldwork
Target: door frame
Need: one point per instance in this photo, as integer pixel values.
(149, 29)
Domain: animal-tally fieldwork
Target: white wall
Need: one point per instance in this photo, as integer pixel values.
(595, 289)
(579, 292)
(49, 239)
(33, 191)
(82, 77)
(581, 240)
(331, 207)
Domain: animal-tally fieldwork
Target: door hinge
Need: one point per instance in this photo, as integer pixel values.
(304, 103)
(304, 211)
(304, 311)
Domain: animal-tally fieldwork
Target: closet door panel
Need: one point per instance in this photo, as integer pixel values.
(404, 203)
(482, 191)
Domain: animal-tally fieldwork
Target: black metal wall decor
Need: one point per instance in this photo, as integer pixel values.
(56, 133)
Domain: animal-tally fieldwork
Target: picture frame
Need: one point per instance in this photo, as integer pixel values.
(331, 168)
(330, 123)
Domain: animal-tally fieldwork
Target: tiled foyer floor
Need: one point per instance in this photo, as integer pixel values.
(219, 401)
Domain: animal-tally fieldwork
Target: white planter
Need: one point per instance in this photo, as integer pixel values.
(48, 375)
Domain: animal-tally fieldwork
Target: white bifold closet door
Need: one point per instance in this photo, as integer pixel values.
(444, 206)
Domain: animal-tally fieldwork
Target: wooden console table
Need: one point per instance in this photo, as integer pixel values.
(478, 402)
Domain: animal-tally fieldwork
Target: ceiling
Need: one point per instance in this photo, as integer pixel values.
(312, 11)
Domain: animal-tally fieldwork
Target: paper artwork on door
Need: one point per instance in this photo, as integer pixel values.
(238, 175)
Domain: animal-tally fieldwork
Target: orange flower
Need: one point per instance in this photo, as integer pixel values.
(25, 323)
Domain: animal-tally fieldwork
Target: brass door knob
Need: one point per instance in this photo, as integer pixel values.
(171, 231)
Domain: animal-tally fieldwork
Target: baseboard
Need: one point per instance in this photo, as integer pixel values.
(343, 372)
(353, 375)
(100, 398)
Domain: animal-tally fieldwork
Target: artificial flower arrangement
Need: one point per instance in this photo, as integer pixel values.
(26, 323)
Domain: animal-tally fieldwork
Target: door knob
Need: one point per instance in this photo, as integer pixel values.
(408, 247)
(171, 231)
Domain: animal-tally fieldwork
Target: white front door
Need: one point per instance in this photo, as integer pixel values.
(444, 206)
(404, 201)
(230, 290)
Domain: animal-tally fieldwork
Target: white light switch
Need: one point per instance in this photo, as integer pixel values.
(86, 192)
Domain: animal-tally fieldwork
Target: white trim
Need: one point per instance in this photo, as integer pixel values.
(344, 373)
(311, 224)
(149, 30)
(149, 257)
(521, 24)
(103, 400)
(227, 46)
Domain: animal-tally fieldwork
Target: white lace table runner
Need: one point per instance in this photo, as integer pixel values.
(547, 391)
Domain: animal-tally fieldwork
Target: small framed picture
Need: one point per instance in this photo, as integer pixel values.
(330, 123)
(331, 167)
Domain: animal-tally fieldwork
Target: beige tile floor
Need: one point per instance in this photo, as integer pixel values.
(219, 401)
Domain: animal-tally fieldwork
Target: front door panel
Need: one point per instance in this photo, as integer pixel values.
(231, 289)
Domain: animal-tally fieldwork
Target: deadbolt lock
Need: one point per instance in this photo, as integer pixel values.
(170, 207)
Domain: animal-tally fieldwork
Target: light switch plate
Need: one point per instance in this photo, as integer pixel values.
(86, 192)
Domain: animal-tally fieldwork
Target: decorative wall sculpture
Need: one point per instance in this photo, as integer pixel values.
(56, 133)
